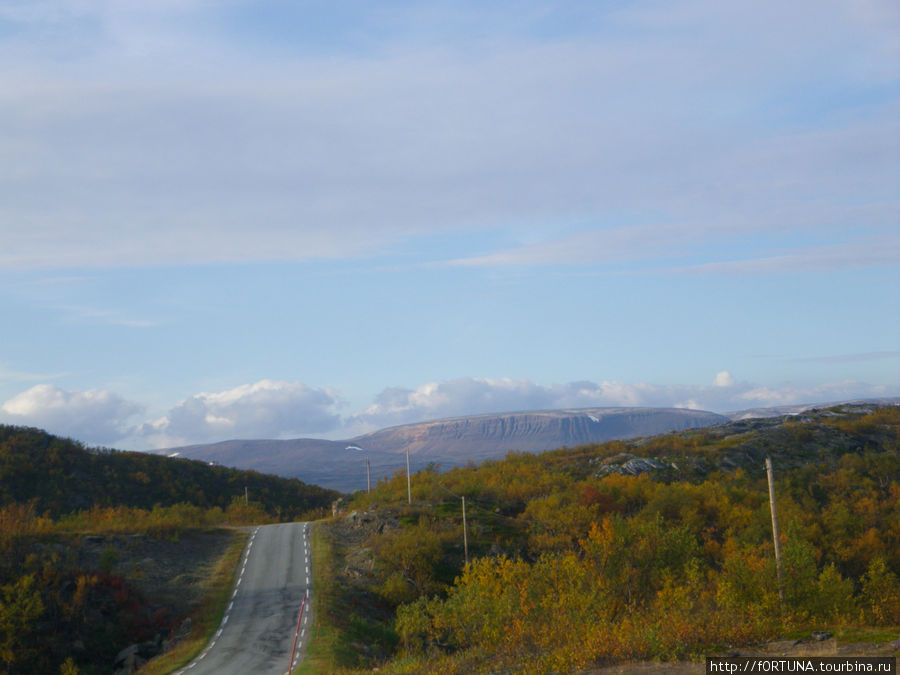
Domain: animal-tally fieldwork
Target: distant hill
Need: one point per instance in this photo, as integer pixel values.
(778, 411)
(61, 476)
(449, 442)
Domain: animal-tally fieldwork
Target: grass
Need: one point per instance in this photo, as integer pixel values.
(208, 617)
(326, 650)
(868, 634)
(342, 624)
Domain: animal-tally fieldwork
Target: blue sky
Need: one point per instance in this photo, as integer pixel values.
(282, 219)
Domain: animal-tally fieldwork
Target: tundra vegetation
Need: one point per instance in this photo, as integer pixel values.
(56, 615)
(575, 563)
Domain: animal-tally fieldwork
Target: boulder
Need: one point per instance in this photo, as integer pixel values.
(129, 660)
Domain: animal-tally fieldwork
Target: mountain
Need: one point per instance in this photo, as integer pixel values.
(478, 437)
(448, 442)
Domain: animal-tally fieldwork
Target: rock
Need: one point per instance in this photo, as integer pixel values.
(632, 466)
(95, 539)
(360, 563)
(497, 550)
(185, 629)
(129, 660)
(820, 635)
(642, 465)
(126, 653)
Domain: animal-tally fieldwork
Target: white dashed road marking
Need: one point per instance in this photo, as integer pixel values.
(225, 618)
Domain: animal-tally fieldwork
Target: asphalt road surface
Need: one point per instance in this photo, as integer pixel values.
(260, 625)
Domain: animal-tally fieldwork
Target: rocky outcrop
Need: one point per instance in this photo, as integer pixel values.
(492, 435)
(627, 464)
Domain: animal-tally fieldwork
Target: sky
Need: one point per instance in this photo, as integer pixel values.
(278, 219)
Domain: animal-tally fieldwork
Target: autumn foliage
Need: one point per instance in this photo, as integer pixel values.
(572, 567)
(56, 616)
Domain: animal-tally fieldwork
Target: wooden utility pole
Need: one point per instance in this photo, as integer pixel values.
(775, 535)
(368, 471)
(246, 496)
(465, 533)
(408, 481)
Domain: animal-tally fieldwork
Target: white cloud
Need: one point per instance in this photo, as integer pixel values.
(787, 395)
(468, 396)
(277, 409)
(860, 253)
(17, 376)
(138, 135)
(94, 416)
(593, 246)
(724, 379)
(766, 396)
(851, 358)
(265, 409)
(690, 405)
(105, 316)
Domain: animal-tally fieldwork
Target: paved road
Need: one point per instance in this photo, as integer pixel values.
(259, 627)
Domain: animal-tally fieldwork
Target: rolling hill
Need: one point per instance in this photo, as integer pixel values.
(60, 476)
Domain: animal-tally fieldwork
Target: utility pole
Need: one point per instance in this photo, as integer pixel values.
(408, 480)
(465, 534)
(246, 496)
(775, 536)
(368, 471)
